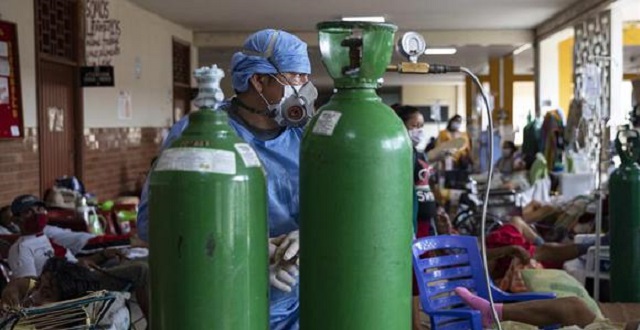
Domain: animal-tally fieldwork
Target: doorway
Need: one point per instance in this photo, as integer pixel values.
(181, 79)
(59, 111)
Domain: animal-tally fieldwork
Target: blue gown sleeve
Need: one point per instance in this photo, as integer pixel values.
(143, 208)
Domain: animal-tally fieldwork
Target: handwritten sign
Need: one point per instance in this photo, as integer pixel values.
(102, 40)
(11, 124)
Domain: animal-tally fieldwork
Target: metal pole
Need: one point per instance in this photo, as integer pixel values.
(596, 273)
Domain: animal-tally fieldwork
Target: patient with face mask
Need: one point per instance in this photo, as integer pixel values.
(511, 160)
(462, 157)
(425, 191)
(511, 169)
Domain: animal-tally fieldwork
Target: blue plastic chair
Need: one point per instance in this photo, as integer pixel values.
(460, 266)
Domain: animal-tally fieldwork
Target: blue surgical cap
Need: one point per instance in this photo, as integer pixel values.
(264, 49)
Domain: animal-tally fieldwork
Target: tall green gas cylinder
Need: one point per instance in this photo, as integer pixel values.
(624, 213)
(208, 231)
(355, 192)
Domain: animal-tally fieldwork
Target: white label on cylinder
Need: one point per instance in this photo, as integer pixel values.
(327, 122)
(248, 155)
(197, 160)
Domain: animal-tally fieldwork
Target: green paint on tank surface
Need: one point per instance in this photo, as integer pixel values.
(624, 213)
(356, 196)
(208, 235)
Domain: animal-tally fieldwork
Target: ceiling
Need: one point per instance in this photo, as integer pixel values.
(473, 57)
(302, 15)
(422, 15)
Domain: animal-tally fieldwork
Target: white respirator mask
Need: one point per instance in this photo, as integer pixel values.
(296, 106)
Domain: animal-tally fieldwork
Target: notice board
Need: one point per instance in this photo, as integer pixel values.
(11, 115)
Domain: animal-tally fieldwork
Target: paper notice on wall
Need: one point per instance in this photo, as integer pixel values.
(125, 110)
(4, 90)
(435, 112)
(5, 67)
(56, 119)
(4, 49)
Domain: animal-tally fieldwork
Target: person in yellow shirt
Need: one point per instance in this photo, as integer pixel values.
(461, 157)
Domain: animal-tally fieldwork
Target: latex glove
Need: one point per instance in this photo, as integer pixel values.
(289, 247)
(274, 242)
(283, 275)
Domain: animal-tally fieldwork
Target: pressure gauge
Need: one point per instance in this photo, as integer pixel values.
(411, 46)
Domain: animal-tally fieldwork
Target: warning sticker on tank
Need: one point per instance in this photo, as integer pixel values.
(327, 122)
(248, 155)
(197, 160)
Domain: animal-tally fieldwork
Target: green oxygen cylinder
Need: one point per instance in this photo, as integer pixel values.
(624, 213)
(355, 192)
(208, 226)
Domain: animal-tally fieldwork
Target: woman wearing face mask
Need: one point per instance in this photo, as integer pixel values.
(508, 163)
(462, 157)
(423, 175)
(426, 207)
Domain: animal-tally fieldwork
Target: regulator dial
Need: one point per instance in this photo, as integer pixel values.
(412, 45)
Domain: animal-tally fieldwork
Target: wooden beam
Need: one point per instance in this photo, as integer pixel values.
(631, 76)
(536, 77)
(507, 76)
(494, 85)
(523, 77)
(468, 90)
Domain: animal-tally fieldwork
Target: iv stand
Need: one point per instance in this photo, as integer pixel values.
(599, 196)
(600, 122)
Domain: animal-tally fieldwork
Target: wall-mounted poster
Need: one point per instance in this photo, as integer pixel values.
(11, 125)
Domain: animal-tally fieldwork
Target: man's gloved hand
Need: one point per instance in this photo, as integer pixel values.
(283, 275)
(288, 247)
(283, 261)
(274, 242)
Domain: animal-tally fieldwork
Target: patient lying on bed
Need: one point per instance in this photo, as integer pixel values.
(62, 281)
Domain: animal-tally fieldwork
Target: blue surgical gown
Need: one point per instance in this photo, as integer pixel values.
(281, 161)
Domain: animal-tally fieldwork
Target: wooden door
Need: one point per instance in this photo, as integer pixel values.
(56, 111)
(181, 79)
(181, 102)
(59, 105)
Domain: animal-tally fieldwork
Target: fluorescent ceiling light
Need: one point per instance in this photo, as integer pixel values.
(376, 19)
(440, 51)
(521, 49)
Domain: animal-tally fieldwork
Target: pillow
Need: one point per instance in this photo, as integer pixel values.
(560, 283)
